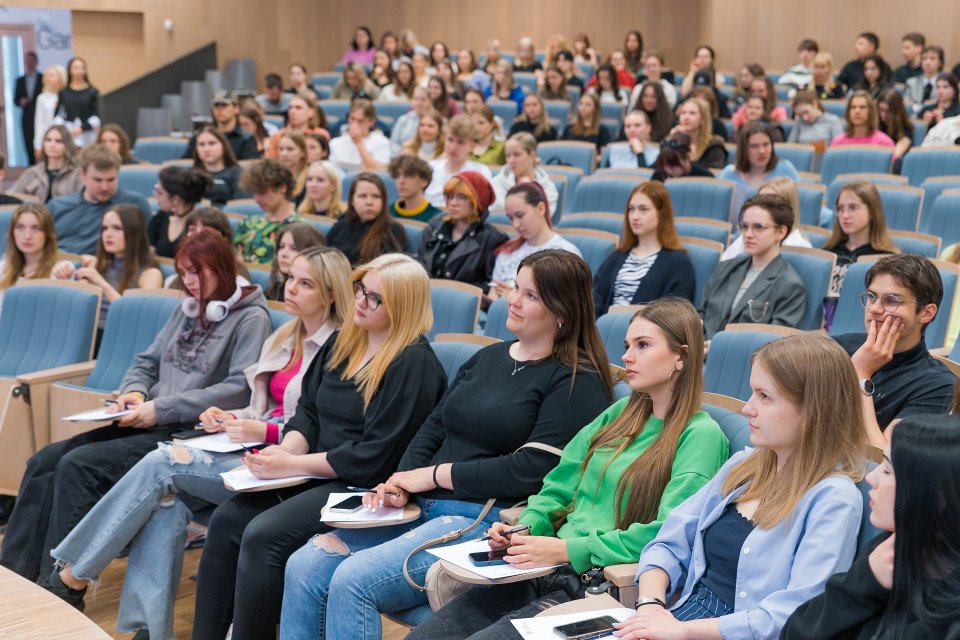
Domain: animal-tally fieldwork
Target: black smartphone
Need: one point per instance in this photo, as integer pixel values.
(586, 629)
(193, 433)
(488, 558)
(348, 505)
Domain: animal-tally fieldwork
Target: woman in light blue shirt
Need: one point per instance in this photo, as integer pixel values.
(756, 162)
(776, 521)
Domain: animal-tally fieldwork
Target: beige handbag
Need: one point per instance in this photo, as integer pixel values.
(445, 582)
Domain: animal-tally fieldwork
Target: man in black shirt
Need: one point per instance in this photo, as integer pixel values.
(864, 46)
(911, 47)
(898, 376)
(226, 117)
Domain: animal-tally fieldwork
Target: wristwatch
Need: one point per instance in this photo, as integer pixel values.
(647, 600)
(867, 387)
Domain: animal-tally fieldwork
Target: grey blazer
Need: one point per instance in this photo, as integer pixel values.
(777, 296)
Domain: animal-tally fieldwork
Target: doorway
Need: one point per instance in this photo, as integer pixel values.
(15, 41)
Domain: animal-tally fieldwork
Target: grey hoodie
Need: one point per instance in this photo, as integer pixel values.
(188, 369)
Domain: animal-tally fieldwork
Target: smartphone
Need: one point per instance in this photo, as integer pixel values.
(488, 558)
(193, 433)
(586, 629)
(348, 505)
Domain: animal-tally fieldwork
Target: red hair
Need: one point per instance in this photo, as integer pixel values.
(208, 250)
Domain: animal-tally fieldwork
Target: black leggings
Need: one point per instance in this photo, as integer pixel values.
(251, 535)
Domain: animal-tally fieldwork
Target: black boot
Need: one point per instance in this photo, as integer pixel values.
(73, 597)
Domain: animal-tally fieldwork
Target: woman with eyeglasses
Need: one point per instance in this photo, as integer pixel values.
(759, 287)
(460, 244)
(859, 229)
(363, 399)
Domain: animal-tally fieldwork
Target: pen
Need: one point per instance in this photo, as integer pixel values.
(522, 527)
(109, 402)
(248, 449)
(362, 490)
(199, 425)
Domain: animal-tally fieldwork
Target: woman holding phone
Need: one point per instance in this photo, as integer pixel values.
(542, 388)
(616, 482)
(139, 510)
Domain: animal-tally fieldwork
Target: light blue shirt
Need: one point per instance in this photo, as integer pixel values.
(743, 190)
(623, 157)
(779, 569)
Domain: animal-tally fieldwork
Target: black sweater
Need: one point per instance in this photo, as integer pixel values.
(364, 447)
(852, 607)
(83, 104)
(670, 275)
(347, 235)
(489, 412)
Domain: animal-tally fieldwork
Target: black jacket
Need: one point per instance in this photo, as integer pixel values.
(20, 91)
(243, 144)
(471, 259)
(851, 608)
(670, 275)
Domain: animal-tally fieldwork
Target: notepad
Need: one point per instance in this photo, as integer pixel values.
(383, 514)
(458, 554)
(97, 415)
(542, 627)
(217, 443)
(241, 479)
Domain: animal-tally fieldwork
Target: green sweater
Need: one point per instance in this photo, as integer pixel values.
(593, 539)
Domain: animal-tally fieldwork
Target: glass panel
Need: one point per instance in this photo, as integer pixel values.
(11, 56)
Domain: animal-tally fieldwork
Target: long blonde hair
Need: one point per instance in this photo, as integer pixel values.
(867, 193)
(645, 479)
(814, 373)
(330, 271)
(705, 130)
(336, 207)
(14, 261)
(406, 296)
(785, 188)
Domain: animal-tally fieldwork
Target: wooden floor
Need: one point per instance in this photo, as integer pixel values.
(102, 604)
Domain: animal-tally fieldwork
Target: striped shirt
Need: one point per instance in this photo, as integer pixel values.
(630, 275)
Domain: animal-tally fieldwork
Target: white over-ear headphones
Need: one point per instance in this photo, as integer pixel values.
(217, 310)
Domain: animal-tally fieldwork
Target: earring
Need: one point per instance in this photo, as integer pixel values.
(559, 325)
(670, 377)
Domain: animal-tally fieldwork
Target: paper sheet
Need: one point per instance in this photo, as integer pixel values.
(243, 479)
(458, 554)
(541, 628)
(383, 514)
(217, 443)
(97, 415)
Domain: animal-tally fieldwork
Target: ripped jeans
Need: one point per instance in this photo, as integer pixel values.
(355, 574)
(140, 511)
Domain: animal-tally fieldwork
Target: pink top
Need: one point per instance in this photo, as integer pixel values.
(877, 137)
(363, 57)
(779, 114)
(278, 383)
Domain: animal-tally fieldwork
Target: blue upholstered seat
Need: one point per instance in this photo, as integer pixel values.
(455, 308)
(157, 150)
(701, 197)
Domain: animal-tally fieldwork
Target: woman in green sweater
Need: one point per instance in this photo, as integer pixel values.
(616, 482)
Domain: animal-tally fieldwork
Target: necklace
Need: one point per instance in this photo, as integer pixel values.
(517, 369)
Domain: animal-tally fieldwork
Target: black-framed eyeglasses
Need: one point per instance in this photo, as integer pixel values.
(888, 301)
(373, 299)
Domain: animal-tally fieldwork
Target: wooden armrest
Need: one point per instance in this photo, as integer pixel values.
(940, 351)
(510, 516)
(622, 575)
(57, 373)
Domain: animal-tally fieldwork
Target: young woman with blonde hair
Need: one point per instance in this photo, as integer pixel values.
(323, 191)
(859, 229)
(427, 143)
(364, 398)
(777, 521)
(54, 174)
(615, 484)
(139, 510)
(695, 120)
(542, 388)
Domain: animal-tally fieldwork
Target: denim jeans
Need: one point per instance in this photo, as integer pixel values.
(62, 482)
(355, 586)
(485, 613)
(137, 511)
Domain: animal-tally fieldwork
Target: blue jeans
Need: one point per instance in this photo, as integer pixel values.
(137, 511)
(365, 578)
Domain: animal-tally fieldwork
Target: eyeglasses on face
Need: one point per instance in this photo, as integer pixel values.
(373, 299)
(456, 197)
(755, 227)
(888, 301)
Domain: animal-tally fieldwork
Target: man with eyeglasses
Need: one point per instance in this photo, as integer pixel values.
(898, 376)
